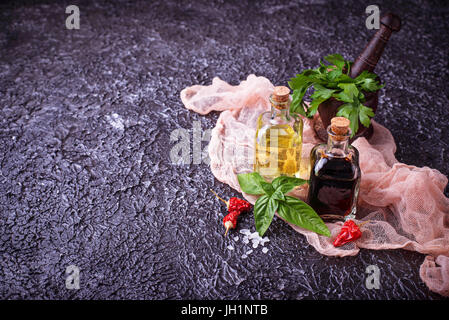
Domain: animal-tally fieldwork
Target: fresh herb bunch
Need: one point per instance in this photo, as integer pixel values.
(334, 81)
(272, 198)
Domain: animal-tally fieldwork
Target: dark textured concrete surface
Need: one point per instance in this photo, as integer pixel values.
(85, 123)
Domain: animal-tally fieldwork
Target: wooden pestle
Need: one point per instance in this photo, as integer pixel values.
(369, 57)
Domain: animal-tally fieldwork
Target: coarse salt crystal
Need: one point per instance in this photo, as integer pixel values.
(255, 239)
(262, 241)
(230, 247)
(254, 235)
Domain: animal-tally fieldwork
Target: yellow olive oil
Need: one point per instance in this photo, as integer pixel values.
(278, 141)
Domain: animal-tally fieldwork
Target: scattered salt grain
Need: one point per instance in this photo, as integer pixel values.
(255, 243)
(254, 235)
(263, 240)
(116, 121)
(230, 247)
(255, 239)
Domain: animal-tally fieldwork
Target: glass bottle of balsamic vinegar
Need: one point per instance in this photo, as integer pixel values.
(278, 140)
(335, 174)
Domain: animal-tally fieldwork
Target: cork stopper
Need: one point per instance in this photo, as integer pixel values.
(340, 126)
(281, 94)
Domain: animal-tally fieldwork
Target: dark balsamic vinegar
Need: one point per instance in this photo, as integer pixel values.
(335, 174)
(334, 183)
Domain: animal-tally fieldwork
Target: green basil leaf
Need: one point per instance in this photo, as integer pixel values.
(267, 187)
(252, 183)
(301, 214)
(283, 180)
(264, 210)
(278, 195)
(287, 187)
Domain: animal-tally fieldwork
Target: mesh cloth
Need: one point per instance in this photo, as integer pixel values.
(405, 204)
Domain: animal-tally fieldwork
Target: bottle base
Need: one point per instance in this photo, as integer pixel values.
(337, 217)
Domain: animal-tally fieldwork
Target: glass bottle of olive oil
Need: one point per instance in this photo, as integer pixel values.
(278, 142)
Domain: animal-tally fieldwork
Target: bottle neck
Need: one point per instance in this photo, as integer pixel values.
(283, 113)
(280, 109)
(337, 145)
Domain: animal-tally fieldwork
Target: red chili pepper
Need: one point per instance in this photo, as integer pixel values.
(230, 220)
(349, 232)
(236, 204)
(235, 207)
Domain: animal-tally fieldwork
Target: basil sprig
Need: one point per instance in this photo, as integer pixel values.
(273, 199)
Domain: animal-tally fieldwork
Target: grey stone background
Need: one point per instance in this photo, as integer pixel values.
(85, 123)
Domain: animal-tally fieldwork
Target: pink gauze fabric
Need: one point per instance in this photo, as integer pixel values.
(405, 204)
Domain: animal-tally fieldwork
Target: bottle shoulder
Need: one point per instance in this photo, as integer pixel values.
(317, 150)
(266, 124)
(320, 149)
(324, 163)
(354, 153)
(267, 120)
